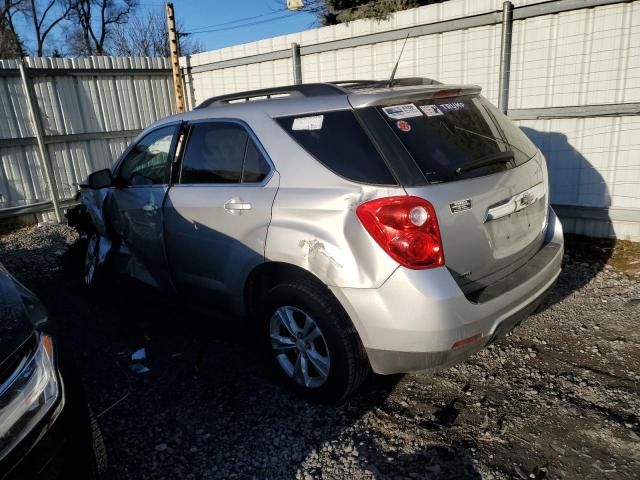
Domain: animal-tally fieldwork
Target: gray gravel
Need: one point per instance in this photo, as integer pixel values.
(559, 398)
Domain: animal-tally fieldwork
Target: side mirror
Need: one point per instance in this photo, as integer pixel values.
(100, 179)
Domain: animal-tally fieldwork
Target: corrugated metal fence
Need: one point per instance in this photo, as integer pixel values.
(90, 109)
(574, 84)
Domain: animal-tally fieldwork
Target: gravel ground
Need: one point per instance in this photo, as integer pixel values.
(558, 398)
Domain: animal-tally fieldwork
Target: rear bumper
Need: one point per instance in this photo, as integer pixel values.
(413, 320)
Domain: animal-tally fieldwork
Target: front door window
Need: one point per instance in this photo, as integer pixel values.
(149, 161)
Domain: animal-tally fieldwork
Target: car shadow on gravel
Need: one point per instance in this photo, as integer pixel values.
(566, 164)
(210, 407)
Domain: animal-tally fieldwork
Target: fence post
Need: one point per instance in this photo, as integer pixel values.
(297, 64)
(36, 119)
(505, 56)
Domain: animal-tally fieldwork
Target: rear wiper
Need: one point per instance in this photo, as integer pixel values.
(492, 139)
(494, 159)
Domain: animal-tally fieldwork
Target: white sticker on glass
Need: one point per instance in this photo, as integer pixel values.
(431, 110)
(398, 112)
(451, 107)
(308, 123)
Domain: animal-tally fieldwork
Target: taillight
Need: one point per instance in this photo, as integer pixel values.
(406, 228)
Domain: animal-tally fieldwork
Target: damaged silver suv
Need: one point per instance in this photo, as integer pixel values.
(358, 226)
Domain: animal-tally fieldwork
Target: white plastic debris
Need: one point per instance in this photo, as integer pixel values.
(138, 355)
(138, 368)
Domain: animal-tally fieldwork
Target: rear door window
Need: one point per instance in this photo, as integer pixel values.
(214, 153)
(222, 152)
(458, 137)
(337, 140)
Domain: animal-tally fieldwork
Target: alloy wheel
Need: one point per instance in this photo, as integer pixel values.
(300, 347)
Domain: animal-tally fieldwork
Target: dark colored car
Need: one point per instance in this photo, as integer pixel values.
(46, 427)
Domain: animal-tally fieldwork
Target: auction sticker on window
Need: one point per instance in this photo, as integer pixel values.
(398, 112)
(431, 110)
(308, 123)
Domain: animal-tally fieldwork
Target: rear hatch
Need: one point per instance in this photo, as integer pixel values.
(484, 177)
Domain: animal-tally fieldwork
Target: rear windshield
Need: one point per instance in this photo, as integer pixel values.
(458, 137)
(338, 141)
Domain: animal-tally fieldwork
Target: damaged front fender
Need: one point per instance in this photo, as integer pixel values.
(88, 219)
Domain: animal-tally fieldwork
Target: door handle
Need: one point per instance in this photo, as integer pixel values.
(237, 205)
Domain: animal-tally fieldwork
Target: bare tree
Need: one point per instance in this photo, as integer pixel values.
(95, 21)
(10, 43)
(146, 35)
(44, 16)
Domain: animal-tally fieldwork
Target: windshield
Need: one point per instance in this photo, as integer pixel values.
(458, 137)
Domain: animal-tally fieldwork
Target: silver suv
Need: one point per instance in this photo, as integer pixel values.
(356, 226)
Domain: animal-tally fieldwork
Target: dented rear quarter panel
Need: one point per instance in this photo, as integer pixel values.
(314, 224)
(318, 230)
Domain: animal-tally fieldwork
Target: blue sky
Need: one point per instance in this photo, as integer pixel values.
(236, 21)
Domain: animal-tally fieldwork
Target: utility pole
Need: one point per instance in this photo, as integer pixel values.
(174, 48)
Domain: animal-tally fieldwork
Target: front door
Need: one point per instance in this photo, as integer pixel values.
(135, 207)
(217, 215)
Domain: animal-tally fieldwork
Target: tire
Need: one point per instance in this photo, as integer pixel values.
(92, 269)
(100, 464)
(320, 354)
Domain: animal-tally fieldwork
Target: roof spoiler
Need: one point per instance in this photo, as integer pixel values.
(408, 95)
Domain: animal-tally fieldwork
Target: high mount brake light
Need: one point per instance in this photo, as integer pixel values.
(406, 228)
(446, 93)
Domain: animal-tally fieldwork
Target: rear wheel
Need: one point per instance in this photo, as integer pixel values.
(313, 343)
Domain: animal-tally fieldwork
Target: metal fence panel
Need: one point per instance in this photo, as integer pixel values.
(574, 84)
(583, 57)
(91, 108)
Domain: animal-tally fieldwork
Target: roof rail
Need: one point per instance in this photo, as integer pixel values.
(303, 90)
(341, 87)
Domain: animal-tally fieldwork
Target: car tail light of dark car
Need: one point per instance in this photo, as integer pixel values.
(406, 227)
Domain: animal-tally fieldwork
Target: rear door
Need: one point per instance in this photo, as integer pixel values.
(217, 215)
(486, 180)
(134, 207)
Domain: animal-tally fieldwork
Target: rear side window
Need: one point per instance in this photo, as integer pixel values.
(458, 137)
(337, 140)
(255, 167)
(221, 152)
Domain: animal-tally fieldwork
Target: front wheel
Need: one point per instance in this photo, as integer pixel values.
(313, 343)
